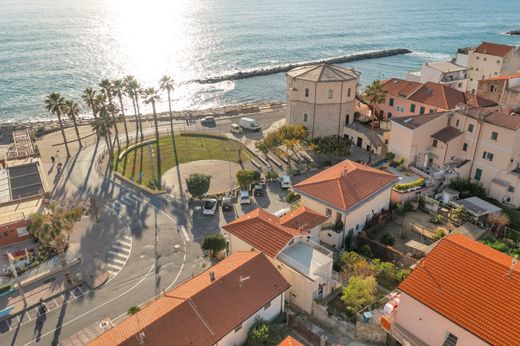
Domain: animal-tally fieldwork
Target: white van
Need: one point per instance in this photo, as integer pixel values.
(249, 124)
(235, 128)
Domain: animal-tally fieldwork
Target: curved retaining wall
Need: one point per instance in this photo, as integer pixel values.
(284, 68)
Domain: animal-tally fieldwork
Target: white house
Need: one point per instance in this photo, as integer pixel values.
(348, 193)
(322, 98)
(306, 265)
(216, 307)
(462, 293)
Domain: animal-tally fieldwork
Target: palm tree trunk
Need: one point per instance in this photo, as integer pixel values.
(158, 147)
(58, 113)
(171, 117)
(136, 121)
(124, 119)
(77, 131)
(109, 145)
(63, 261)
(139, 117)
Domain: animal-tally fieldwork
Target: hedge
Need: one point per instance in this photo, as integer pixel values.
(403, 187)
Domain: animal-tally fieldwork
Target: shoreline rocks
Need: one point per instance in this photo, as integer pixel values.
(513, 33)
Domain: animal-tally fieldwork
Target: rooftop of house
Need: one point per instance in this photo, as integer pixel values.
(495, 117)
(415, 121)
(302, 218)
(13, 212)
(494, 49)
(262, 230)
(477, 206)
(346, 184)
(506, 77)
(478, 290)
(290, 341)
(202, 311)
(433, 94)
(447, 134)
(323, 73)
(306, 257)
(446, 66)
(21, 181)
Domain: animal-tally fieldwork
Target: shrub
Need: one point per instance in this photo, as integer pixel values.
(389, 156)
(402, 274)
(198, 184)
(330, 145)
(467, 188)
(439, 233)
(292, 197)
(437, 219)
(133, 310)
(358, 293)
(387, 239)
(214, 243)
(264, 333)
(327, 163)
(406, 186)
(366, 251)
(246, 177)
(400, 162)
(272, 175)
(338, 226)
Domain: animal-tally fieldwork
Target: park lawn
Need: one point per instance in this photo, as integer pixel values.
(189, 148)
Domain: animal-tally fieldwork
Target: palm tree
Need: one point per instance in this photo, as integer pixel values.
(166, 83)
(71, 108)
(54, 103)
(151, 96)
(53, 227)
(103, 127)
(89, 96)
(374, 94)
(119, 90)
(107, 88)
(133, 89)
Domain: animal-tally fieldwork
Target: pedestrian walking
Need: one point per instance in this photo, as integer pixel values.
(53, 159)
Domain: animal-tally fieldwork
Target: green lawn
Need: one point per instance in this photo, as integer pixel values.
(189, 148)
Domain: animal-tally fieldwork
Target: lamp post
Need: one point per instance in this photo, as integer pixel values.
(15, 274)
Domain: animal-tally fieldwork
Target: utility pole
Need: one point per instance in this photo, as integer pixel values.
(15, 274)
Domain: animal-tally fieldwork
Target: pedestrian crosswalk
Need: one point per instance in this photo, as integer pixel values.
(118, 254)
(127, 200)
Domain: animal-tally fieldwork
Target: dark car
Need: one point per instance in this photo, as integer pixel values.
(259, 190)
(226, 204)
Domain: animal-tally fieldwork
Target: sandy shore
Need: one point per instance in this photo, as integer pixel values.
(40, 128)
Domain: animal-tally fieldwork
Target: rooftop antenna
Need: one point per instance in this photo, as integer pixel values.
(242, 279)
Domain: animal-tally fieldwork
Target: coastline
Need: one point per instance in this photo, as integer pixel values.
(41, 128)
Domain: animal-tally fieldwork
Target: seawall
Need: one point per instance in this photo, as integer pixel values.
(288, 67)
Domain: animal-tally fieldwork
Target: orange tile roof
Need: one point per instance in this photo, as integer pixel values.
(263, 231)
(472, 285)
(302, 218)
(201, 312)
(493, 49)
(509, 76)
(433, 94)
(346, 184)
(290, 341)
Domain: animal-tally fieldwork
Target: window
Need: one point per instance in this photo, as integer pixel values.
(348, 92)
(400, 109)
(391, 101)
(510, 188)
(435, 142)
(465, 147)
(432, 110)
(496, 73)
(494, 135)
(331, 94)
(476, 69)
(238, 328)
(328, 212)
(478, 174)
(478, 57)
(470, 128)
(485, 59)
(267, 306)
(498, 61)
(487, 156)
(493, 89)
(457, 123)
(421, 110)
(451, 340)
(305, 117)
(306, 92)
(459, 85)
(389, 115)
(412, 108)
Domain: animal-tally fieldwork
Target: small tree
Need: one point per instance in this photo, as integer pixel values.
(387, 239)
(292, 197)
(354, 265)
(461, 214)
(214, 243)
(263, 333)
(366, 251)
(439, 233)
(198, 184)
(498, 223)
(246, 177)
(133, 310)
(389, 156)
(358, 293)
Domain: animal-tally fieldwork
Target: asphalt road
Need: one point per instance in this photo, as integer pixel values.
(164, 250)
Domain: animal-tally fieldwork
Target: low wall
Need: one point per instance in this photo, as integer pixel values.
(142, 187)
(385, 253)
(321, 314)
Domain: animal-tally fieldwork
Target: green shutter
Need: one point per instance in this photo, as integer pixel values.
(391, 101)
(412, 108)
(421, 110)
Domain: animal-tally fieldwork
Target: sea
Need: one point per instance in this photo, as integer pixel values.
(66, 46)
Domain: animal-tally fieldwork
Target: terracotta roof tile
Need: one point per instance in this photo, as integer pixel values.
(493, 49)
(447, 134)
(495, 117)
(302, 218)
(263, 231)
(290, 341)
(346, 184)
(472, 285)
(201, 312)
(510, 76)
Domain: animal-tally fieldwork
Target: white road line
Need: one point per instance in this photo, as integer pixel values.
(128, 238)
(29, 317)
(123, 249)
(137, 199)
(184, 232)
(115, 266)
(72, 293)
(79, 288)
(55, 302)
(123, 242)
(18, 318)
(116, 259)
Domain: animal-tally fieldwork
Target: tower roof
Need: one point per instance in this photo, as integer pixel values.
(323, 73)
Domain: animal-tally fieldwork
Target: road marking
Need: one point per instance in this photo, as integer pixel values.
(113, 259)
(72, 293)
(124, 243)
(79, 288)
(125, 249)
(128, 238)
(184, 232)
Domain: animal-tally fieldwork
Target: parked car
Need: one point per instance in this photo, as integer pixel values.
(285, 181)
(249, 124)
(259, 190)
(244, 198)
(235, 128)
(281, 212)
(226, 204)
(207, 120)
(210, 206)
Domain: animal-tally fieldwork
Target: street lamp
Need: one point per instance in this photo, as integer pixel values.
(15, 274)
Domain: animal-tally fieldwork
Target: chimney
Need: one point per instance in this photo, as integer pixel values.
(212, 276)
(514, 261)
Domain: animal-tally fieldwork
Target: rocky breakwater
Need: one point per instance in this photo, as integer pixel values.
(284, 68)
(513, 32)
